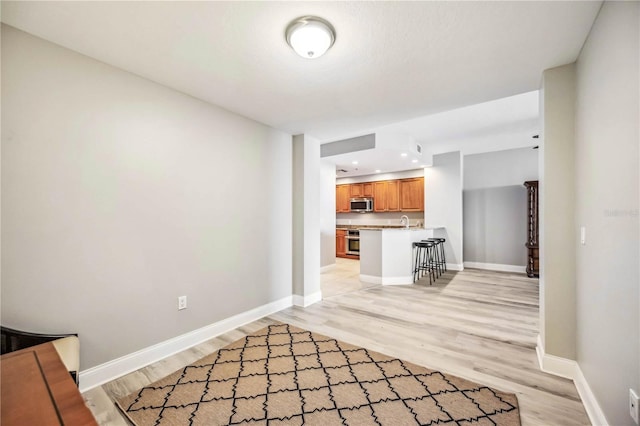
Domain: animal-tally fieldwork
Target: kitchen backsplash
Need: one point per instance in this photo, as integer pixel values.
(378, 218)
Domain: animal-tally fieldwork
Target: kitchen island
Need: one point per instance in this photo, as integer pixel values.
(386, 255)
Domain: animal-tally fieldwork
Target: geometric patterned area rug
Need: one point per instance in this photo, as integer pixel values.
(284, 375)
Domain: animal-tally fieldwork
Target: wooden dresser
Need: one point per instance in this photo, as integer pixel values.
(533, 262)
(37, 389)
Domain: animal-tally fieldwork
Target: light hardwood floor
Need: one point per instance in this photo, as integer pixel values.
(478, 325)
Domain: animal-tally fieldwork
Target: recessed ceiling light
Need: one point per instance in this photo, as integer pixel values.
(310, 36)
(414, 161)
(404, 154)
(378, 171)
(354, 162)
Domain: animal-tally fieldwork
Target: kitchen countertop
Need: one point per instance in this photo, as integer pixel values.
(411, 228)
(372, 227)
(385, 227)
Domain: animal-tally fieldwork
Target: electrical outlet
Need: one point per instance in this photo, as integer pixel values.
(182, 303)
(633, 405)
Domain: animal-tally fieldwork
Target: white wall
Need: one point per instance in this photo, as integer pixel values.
(406, 174)
(119, 195)
(500, 168)
(495, 200)
(443, 203)
(607, 204)
(327, 205)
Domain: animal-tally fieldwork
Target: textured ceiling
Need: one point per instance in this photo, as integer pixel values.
(392, 61)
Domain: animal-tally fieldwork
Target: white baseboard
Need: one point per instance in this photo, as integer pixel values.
(327, 268)
(387, 280)
(555, 365)
(305, 301)
(397, 280)
(595, 413)
(570, 369)
(455, 267)
(373, 279)
(496, 267)
(113, 369)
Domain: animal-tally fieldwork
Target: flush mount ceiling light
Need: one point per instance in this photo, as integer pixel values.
(310, 36)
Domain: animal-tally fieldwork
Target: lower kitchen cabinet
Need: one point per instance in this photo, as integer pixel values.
(341, 242)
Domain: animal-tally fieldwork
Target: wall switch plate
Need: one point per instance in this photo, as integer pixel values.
(583, 235)
(633, 405)
(182, 303)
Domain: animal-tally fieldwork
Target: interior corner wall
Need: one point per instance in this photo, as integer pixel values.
(557, 229)
(495, 200)
(120, 194)
(443, 203)
(306, 216)
(327, 207)
(607, 205)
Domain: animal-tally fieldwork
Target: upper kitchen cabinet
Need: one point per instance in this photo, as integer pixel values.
(386, 196)
(412, 195)
(342, 198)
(359, 190)
(404, 195)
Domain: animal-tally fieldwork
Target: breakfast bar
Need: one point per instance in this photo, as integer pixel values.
(386, 254)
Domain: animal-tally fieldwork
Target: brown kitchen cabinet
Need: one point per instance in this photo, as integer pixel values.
(403, 195)
(393, 196)
(367, 189)
(341, 242)
(386, 196)
(359, 190)
(412, 195)
(533, 250)
(355, 190)
(342, 198)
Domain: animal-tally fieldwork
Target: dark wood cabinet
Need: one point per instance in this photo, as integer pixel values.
(533, 258)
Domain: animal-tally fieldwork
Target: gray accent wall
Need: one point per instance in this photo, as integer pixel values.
(119, 195)
(495, 225)
(607, 205)
(495, 206)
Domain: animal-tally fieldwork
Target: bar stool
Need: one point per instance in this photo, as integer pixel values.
(442, 257)
(424, 260)
(437, 262)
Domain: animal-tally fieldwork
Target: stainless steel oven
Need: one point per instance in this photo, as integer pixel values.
(353, 242)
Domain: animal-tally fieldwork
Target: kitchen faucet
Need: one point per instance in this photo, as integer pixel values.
(404, 220)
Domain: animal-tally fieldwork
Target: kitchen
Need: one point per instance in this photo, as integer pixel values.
(394, 178)
(390, 217)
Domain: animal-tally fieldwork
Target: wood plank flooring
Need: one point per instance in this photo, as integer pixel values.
(478, 325)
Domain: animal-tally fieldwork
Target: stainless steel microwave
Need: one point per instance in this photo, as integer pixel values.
(361, 205)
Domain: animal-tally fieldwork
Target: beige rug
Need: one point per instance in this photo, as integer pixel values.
(283, 375)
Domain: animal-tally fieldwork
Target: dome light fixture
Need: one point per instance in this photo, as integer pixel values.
(310, 36)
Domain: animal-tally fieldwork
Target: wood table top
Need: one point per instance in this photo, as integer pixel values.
(38, 389)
